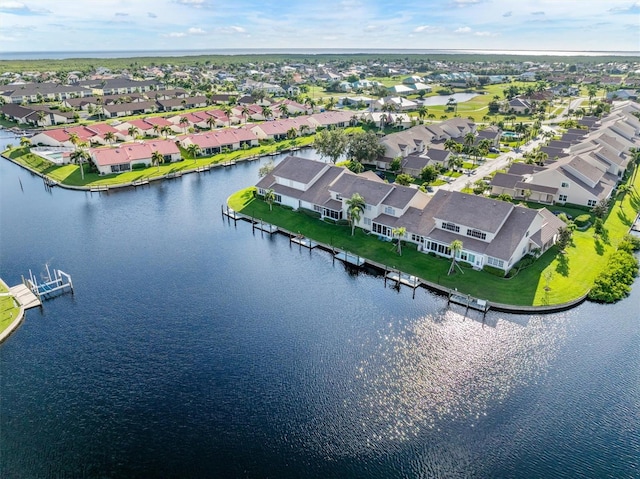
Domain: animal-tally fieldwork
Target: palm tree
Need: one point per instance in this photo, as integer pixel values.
(194, 150)
(292, 133)
(399, 233)
(245, 113)
(79, 156)
(109, 137)
(184, 121)
(455, 247)
(331, 103)
(270, 197)
(284, 110)
(303, 128)
(25, 142)
(74, 139)
(422, 112)
(266, 112)
(355, 208)
(228, 111)
(165, 130)
(133, 131)
(211, 121)
(157, 129)
(311, 103)
(540, 157)
(469, 140)
(157, 158)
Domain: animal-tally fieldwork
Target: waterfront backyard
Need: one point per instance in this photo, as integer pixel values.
(555, 278)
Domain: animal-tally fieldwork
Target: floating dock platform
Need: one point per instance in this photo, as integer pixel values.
(266, 227)
(469, 301)
(403, 278)
(25, 296)
(349, 258)
(302, 241)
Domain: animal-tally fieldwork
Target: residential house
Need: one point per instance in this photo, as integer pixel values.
(493, 233)
(280, 129)
(38, 92)
(114, 110)
(126, 156)
(214, 142)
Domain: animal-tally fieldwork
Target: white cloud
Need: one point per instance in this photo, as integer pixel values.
(196, 31)
(12, 5)
(374, 28)
(426, 29)
(175, 35)
(463, 30)
(486, 34)
(232, 29)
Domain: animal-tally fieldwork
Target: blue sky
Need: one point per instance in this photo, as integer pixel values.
(96, 25)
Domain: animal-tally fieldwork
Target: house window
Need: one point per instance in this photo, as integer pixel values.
(389, 210)
(476, 234)
(367, 207)
(562, 198)
(367, 221)
(592, 203)
(450, 227)
(565, 185)
(317, 208)
(498, 263)
(417, 238)
(381, 229)
(336, 215)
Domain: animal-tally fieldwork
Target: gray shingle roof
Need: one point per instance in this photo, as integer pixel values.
(400, 196)
(505, 180)
(472, 211)
(372, 191)
(298, 169)
(510, 235)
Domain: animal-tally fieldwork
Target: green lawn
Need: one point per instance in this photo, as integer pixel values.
(70, 174)
(8, 311)
(570, 275)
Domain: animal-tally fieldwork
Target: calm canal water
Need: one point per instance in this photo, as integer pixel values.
(194, 348)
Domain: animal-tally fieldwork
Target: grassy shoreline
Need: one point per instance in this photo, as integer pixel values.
(554, 279)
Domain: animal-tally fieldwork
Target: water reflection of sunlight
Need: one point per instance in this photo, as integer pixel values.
(439, 368)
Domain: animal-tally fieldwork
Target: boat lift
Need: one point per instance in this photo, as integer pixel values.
(53, 285)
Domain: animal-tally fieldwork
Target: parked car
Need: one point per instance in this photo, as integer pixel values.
(493, 149)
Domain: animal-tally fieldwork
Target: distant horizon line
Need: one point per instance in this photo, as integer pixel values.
(54, 54)
(321, 48)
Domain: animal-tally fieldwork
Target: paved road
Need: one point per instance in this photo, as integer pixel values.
(491, 165)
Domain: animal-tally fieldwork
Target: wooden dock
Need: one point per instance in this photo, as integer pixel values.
(348, 258)
(229, 213)
(403, 278)
(469, 301)
(266, 227)
(99, 188)
(137, 183)
(302, 241)
(25, 296)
